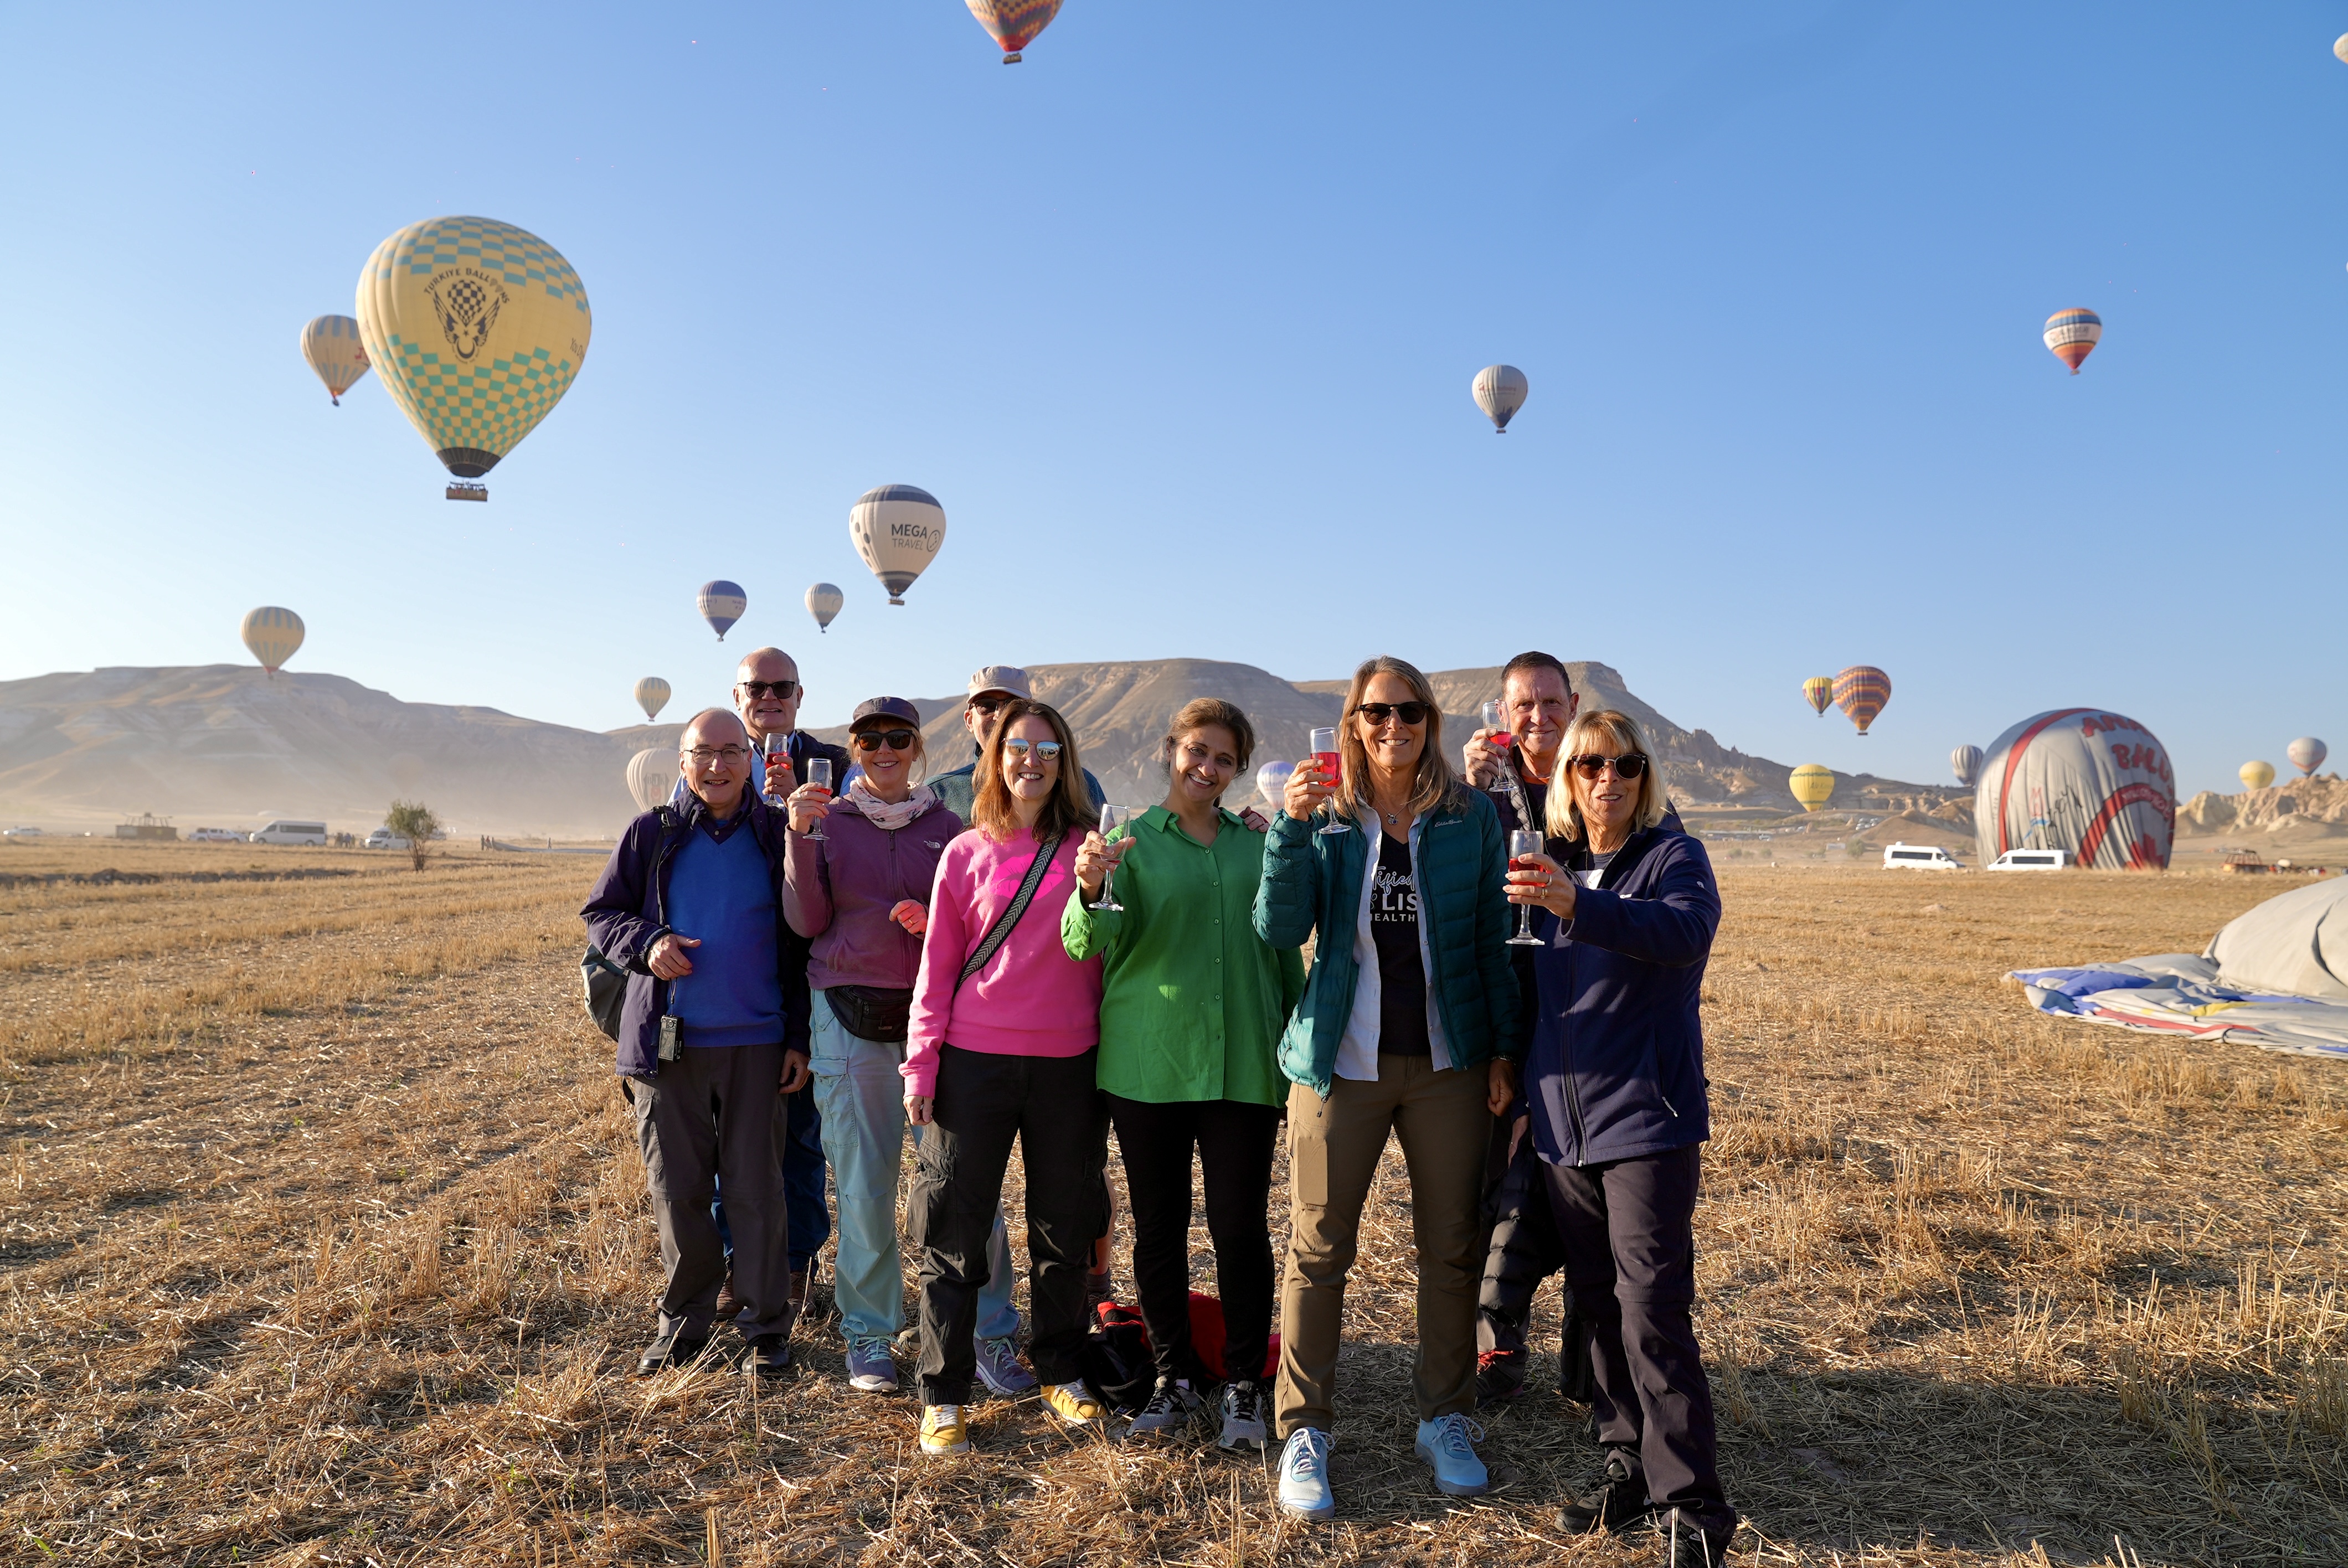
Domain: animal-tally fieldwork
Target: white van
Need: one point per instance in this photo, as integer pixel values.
(1920, 856)
(20, 833)
(292, 833)
(384, 838)
(2032, 860)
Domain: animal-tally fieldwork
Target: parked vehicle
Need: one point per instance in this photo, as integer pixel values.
(1920, 857)
(384, 838)
(2032, 860)
(20, 833)
(292, 833)
(215, 835)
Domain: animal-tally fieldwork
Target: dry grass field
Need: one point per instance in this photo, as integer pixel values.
(322, 1241)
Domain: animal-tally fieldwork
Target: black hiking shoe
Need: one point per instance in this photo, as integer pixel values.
(1688, 1540)
(1621, 1504)
(673, 1349)
(769, 1355)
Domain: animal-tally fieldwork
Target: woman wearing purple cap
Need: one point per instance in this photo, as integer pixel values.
(861, 895)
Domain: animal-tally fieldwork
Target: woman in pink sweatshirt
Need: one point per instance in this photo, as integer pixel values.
(1002, 1044)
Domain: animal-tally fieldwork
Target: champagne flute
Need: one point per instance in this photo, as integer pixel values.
(819, 772)
(1496, 724)
(1521, 843)
(1112, 818)
(1325, 756)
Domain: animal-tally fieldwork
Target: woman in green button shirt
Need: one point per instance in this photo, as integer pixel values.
(1192, 1004)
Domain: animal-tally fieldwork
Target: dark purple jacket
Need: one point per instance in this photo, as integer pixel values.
(1615, 1064)
(626, 914)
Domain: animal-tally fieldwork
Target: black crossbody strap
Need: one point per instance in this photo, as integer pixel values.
(1000, 932)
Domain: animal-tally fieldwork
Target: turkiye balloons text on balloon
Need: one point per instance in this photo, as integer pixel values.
(477, 329)
(331, 345)
(2087, 780)
(273, 634)
(897, 529)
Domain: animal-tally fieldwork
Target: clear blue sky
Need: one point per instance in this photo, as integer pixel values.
(1178, 324)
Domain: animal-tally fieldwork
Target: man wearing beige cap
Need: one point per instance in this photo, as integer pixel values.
(989, 689)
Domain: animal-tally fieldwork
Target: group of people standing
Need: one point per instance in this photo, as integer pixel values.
(965, 956)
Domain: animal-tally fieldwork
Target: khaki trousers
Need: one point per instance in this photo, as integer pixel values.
(1333, 1147)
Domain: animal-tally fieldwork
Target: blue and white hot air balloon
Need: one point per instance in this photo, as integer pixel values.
(722, 604)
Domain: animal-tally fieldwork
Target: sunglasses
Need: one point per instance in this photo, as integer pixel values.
(782, 689)
(986, 706)
(1628, 766)
(1379, 712)
(873, 740)
(1045, 751)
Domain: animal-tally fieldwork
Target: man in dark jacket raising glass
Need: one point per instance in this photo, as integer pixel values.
(713, 1034)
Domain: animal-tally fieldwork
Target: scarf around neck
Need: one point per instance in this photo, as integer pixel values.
(887, 815)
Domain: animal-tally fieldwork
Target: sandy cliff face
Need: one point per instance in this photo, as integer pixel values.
(2302, 802)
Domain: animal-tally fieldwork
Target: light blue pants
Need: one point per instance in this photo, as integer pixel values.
(862, 1100)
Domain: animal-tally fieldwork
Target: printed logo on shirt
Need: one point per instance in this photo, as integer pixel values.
(1394, 896)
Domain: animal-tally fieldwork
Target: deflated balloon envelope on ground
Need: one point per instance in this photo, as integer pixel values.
(273, 634)
(331, 345)
(2086, 780)
(897, 529)
(652, 696)
(2071, 335)
(477, 329)
(722, 604)
(823, 602)
(1499, 390)
(1860, 692)
(1014, 24)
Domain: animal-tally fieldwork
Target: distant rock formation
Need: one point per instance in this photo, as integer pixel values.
(2303, 801)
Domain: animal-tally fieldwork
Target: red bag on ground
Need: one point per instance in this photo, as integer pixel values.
(1206, 1338)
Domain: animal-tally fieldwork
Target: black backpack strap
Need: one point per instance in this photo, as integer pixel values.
(1000, 932)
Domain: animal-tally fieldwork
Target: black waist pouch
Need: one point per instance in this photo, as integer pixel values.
(879, 1013)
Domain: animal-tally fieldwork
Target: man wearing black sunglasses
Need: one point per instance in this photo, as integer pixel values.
(990, 689)
(766, 697)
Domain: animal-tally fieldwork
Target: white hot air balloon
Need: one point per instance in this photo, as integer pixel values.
(823, 602)
(897, 528)
(652, 696)
(2307, 753)
(1500, 392)
(1965, 763)
(2340, 48)
(1271, 780)
(652, 775)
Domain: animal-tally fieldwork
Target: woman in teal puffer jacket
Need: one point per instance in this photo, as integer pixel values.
(1408, 1019)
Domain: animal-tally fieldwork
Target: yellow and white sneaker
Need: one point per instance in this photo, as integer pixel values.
(1074, 1405)
(944, 1430)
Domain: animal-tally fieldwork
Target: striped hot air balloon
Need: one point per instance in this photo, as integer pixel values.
(2071, 335)
(897, 528)
(331, 344)
(1499, 391)
(273, 634)
(722, 604)
(1860, 692)
(1819, 692)
(1965, 763)
(823, 602)
(652, 696)
(1812, 786)
(1014, 24)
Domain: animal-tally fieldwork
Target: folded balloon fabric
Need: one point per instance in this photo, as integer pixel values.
(2180, 993)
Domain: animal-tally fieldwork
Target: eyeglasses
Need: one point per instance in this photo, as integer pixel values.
(1045, 751)
(703, 755)
(1379, 712)
(1628, 766)
(873, 740)
(783, 689)
(985, 706)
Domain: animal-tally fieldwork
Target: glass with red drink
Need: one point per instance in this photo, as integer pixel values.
(1520, 844)
(1324, 757)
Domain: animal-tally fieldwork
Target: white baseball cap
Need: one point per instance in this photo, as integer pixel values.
(1007, 678)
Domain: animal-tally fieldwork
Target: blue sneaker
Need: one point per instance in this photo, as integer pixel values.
(870, 1369)
(1448, 1443)
(1000, 1369)
(1304, 1474)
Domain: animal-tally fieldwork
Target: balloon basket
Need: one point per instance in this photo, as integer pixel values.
(894, 600)
(1013, 59)
(461, 491)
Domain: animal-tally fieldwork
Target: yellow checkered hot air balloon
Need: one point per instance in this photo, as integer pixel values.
(273, 634)
(477, 329)
(331, 344)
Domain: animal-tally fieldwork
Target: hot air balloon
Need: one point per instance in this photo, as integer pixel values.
(476, 328)
(1014, 24)
(1499, 391)
(1271, 780)
(2071, 335)
(652, 696)
(722, 604)
(897, 528)
(1812, 786)
(823, 602)
(652, 775)
(2340, 48)
(2086, 780)
(331, 344)
(1860, 692)
(2255, 775)
(1965, 763)
(2307, 754)
(273, 635)
(1819, 692)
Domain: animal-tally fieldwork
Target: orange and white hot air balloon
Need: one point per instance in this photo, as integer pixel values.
(2071, 335)
(1014, 24)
